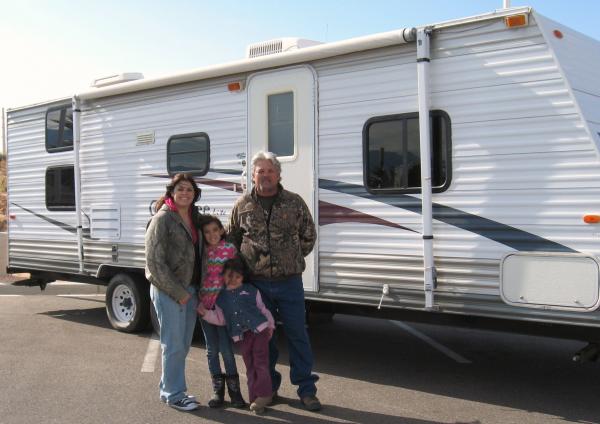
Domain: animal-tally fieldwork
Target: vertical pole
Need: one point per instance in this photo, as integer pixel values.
(423, 59)
(506, 4)
(76, 143)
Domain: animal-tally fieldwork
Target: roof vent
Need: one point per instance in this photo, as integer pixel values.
(116, 79)
(279, 45)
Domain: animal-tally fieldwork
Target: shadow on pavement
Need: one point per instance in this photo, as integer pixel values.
(89, 316)
(328, 414)
(520, 372)
(517, 372)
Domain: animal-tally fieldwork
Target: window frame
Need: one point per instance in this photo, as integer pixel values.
(403, 117)
(294, 155)
(59, 208)
(188, 135)
(61, 148)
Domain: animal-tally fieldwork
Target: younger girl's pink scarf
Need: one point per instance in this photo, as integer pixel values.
(171, 204)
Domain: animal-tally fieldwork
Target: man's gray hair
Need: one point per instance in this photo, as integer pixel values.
(270, 156)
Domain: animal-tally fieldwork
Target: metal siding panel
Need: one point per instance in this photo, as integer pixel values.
(521, 156)
(38, 238)
(109, 148)
(43, 254)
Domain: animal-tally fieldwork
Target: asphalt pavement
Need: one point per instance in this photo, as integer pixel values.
(61, 362)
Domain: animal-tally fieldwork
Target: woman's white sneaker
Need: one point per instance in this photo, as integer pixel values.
(184, 404)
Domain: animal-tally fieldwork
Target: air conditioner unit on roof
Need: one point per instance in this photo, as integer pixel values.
(117, 79)
(279, 45)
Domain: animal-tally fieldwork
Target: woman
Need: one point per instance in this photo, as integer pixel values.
(173, 266)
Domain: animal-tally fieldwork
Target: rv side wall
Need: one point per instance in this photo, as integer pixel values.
(524, 170)
(39, 238)
(124, 159)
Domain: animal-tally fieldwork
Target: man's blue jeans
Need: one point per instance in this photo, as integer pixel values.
(217, 340)
(177, 324)
(285, 300)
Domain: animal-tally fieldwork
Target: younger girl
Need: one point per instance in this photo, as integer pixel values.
(250, 324)
(217, 252)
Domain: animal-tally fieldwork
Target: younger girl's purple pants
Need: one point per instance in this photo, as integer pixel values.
(255, 351)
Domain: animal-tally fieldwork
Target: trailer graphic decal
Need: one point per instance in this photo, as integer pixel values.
(334, 214)
(330, 214)
(496, 231)
(66, 227)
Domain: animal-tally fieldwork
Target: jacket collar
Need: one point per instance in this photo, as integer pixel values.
(277, 196)
(175, 215)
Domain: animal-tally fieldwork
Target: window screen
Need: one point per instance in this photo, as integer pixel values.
(59, 129)
(392, 155)
(188, 153)
(281, 123)
(60, 188)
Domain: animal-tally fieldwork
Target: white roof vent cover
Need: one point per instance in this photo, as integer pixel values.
(117, 79)
(279, 45)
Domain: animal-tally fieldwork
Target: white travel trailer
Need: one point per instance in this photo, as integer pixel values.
(496, 220)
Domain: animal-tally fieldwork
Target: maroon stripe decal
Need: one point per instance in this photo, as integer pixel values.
(225, 185)
(334, 214)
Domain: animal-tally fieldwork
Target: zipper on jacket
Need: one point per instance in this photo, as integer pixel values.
(269, 237)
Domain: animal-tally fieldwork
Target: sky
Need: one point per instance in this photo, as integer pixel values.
(55, 48)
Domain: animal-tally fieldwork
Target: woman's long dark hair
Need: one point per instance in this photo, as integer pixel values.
(177, 178)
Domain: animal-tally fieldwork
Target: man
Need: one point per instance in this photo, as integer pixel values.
(274, 231)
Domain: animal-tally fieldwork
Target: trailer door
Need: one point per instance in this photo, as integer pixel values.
(281, 119)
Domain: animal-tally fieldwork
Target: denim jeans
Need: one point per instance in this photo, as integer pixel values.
(177, 324)
(217, 340)
(285, 300)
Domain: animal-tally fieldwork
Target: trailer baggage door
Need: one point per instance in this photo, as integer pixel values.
(281, 119)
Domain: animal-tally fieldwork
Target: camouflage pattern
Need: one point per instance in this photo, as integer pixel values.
(273, 247)
(170, 252)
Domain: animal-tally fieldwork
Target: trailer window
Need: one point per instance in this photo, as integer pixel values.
(391, 153)
(188, 153)
(60, 188)
(281, 123)
(59, 129)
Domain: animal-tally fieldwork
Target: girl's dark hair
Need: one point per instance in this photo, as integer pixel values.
(177, 178)
(235, 265)
(209, 219)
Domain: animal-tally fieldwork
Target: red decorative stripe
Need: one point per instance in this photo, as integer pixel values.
(335, 214)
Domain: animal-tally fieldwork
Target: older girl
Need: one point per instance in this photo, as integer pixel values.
(216, 252)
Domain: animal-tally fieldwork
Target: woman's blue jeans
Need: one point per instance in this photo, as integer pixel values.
(177, 324)
(217, 340)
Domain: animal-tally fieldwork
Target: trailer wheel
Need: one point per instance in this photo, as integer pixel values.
(128, 303)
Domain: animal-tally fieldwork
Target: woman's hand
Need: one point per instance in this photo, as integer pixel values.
(185, 300)
(201, 309)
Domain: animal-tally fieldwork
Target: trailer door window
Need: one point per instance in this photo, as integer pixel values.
(60, 188)
(391, 153)
(281, 123)
(188, 153)
(59, 129)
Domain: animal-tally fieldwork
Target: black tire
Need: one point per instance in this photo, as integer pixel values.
(198, 334)
(318, 313)
(128, 302)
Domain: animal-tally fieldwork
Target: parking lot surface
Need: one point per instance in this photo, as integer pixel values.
(60, 362)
